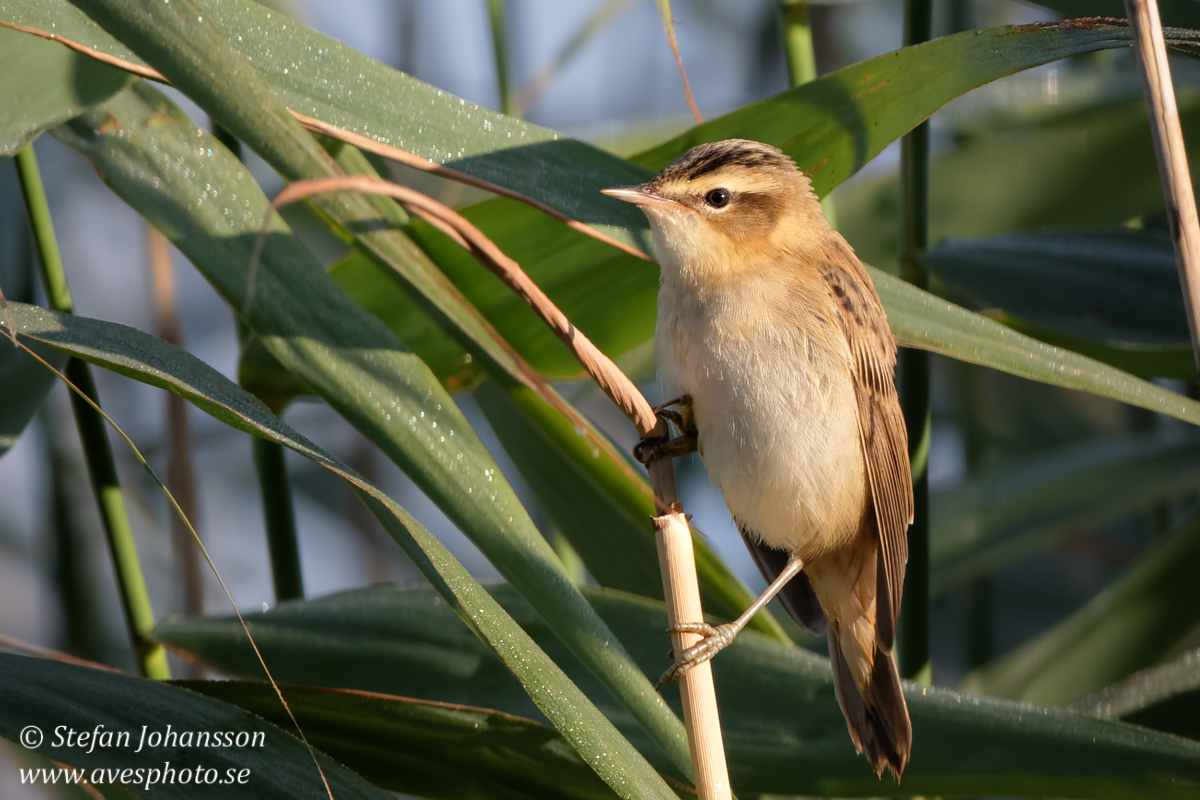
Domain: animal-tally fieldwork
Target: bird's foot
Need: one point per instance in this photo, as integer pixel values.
(716, 638)
(655, 447)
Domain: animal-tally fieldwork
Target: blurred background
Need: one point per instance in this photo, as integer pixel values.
(1070, 487)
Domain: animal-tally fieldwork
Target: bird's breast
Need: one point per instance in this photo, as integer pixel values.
(774, 406)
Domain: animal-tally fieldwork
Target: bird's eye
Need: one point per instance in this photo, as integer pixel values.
(718, 198)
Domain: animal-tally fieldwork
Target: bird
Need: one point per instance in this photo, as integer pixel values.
(775, 346)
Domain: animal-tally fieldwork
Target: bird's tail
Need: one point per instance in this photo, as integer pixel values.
(860, 652)
(877, 717)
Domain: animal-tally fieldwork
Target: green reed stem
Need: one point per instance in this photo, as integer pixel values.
(282, 542)
(135, 602)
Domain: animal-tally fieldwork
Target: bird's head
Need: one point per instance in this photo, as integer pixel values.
(722, 205)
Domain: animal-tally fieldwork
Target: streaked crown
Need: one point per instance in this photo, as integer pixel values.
(734, 157)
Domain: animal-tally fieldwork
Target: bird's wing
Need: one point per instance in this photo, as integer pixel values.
(880, 420)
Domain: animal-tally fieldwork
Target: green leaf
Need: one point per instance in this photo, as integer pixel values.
(44, 83)
(433, 750)
(150, 360)
(1008, 512)
(1166, 697)
(1143, 361)
(1131, 625)
(784, 733)
(62, 698)
(30, 759)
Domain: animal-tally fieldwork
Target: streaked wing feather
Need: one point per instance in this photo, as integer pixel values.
(880, 420)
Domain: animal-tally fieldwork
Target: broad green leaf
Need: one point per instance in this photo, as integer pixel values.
(1131, 625)
(434, 750)
(1166, 697)
(63, 698)
(17, 408)
(150, 360)
(784, 733)
(201, 59)
(829, 137)
(44, 83)
(1009, 512)
(578, 447)
(1144, 361)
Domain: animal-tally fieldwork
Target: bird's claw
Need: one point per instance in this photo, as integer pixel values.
(716, 638)
(683, 417)
(655, 447)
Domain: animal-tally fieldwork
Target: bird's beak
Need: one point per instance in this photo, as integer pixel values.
(640, 196)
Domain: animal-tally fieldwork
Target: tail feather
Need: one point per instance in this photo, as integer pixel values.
(877, 719)
(858, 611)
